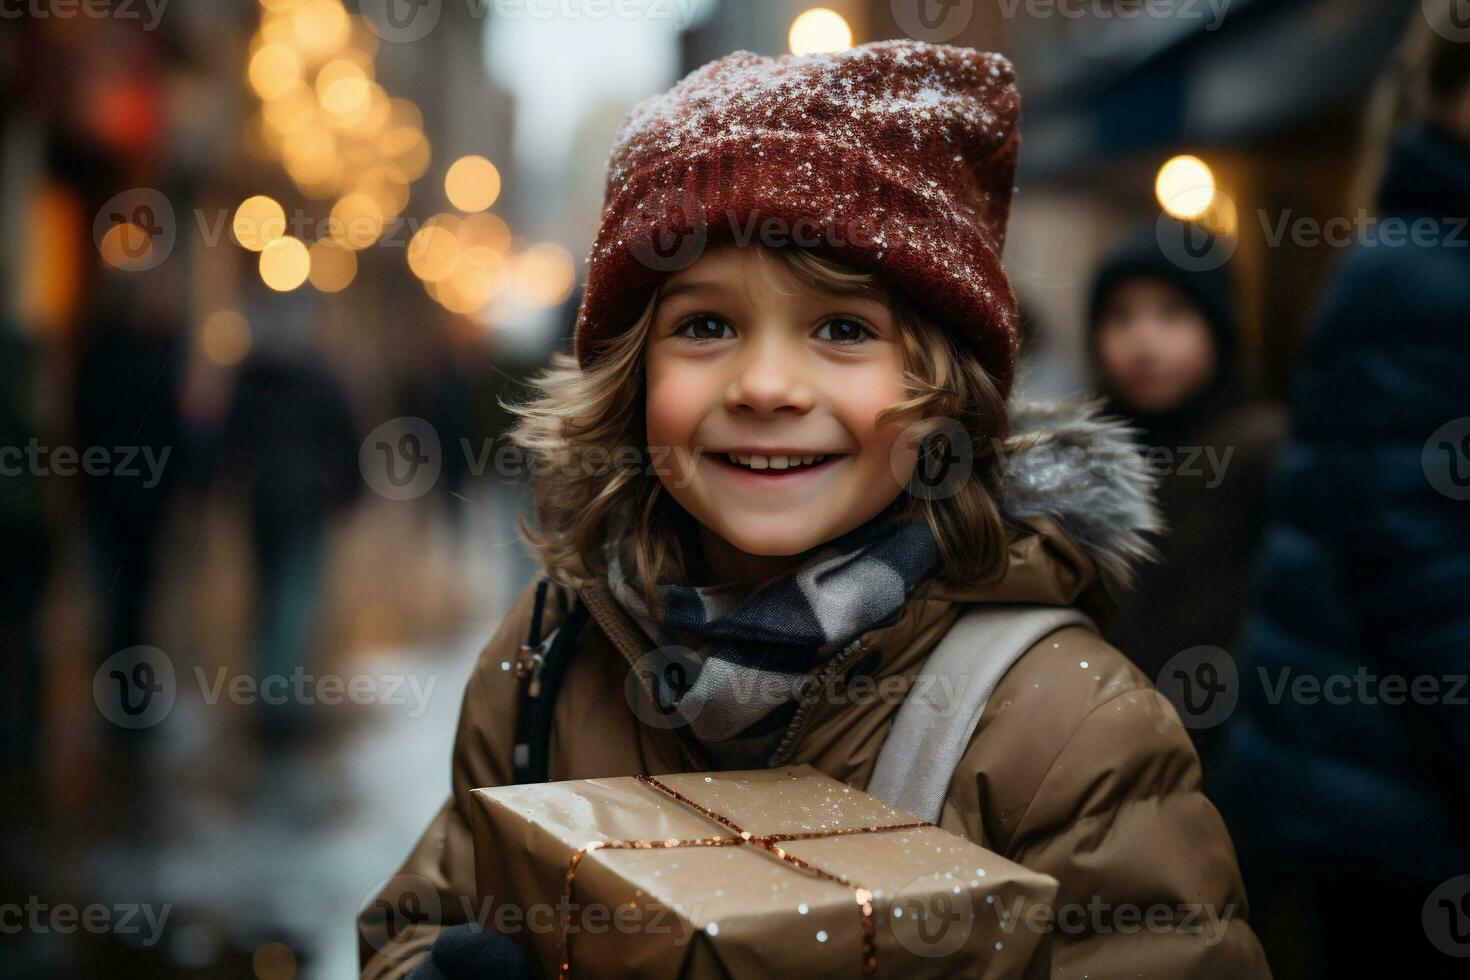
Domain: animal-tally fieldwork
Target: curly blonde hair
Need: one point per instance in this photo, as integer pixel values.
(584, 433)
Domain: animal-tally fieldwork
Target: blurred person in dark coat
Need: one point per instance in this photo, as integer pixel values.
(22, 581)
(1350, 797)
(127, 404)
(1163, 346)
(289, 448)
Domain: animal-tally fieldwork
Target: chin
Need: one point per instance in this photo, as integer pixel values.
(775, 540)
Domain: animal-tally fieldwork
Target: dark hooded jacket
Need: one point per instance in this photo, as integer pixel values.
(1366, 569)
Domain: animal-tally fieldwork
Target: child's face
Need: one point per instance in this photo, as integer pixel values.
(1155, 347)
(746, 362)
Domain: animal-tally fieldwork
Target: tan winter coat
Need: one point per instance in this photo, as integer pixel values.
(1079, 768)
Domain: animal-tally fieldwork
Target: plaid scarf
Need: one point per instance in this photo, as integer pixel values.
(742, 659)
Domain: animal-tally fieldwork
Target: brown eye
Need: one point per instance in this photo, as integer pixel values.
(842, 330)
(704, 328)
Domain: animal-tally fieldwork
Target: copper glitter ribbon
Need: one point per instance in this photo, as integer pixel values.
(742, 837)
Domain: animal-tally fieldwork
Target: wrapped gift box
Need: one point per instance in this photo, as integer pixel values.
(769, 873)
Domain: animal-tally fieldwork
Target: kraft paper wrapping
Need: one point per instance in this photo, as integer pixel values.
(940, 905)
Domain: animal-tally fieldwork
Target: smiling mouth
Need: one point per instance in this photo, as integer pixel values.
(776, 468)
(754, 461)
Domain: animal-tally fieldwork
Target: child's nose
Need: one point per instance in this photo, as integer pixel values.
(769, 378)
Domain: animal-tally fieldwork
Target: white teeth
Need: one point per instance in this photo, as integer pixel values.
(757, 462)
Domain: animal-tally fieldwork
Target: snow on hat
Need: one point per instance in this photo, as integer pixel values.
(897, 156)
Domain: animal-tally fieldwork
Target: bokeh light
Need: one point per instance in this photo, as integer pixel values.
(259, 220)
(472, 183)
(274, 70)
(126, 246)
(224, 338)
(356, 221)
(274, 961)
(433, 251)
(484, 231)
(1185, 187)
(284, 264)
(544, 274)
(320, 26)
(819, 29)
(333, 266)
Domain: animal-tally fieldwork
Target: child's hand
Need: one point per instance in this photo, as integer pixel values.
(471, 952)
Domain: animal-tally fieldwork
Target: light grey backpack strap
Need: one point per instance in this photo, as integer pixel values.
(937, 719)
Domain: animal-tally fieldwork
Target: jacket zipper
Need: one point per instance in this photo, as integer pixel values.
(612, 628)
(818, 683)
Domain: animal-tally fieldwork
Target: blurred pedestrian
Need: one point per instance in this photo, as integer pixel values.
(1352, 804)
(289, 448)
(22, 581)
(1163, 341)
(127, 407)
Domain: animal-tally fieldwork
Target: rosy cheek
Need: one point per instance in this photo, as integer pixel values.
(674, 409)
(860, 404)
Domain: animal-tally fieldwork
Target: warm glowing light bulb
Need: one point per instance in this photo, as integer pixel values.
(819, 29)
(1185, 187)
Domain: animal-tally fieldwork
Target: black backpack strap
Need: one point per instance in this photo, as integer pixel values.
(540, 667)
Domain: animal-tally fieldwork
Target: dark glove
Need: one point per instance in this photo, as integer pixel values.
(471, 952)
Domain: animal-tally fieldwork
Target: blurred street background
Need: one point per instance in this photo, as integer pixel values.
(256, 253)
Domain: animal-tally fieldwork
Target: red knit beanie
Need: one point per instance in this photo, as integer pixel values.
(898, 157)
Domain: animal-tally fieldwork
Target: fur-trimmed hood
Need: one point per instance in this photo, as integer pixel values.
(1084, 471)
(1079, 498)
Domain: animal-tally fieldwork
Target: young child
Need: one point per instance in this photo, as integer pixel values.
(795, 314)
(1162, 340)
